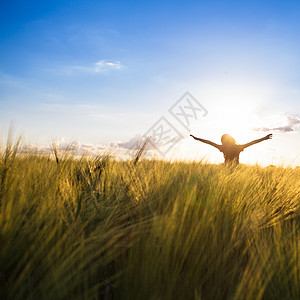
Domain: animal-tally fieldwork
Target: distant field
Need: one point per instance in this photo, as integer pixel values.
(96, 228)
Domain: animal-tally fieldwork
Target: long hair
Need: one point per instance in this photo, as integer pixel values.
(227, 140)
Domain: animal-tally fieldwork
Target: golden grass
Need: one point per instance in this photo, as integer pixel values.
(97, 228)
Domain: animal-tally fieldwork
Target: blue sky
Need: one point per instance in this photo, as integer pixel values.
(100, 72)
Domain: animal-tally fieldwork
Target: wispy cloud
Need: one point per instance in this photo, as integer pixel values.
(287, 123)
(74, 146)
(103, 65)
(118, 150)
(136, 142)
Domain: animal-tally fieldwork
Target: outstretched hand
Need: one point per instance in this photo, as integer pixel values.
(269, 136)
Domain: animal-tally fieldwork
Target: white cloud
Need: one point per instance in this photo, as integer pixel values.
(130, 144)
(75, 147)
(282, 123)
(136, 143)
(103, 65)
(118, 150)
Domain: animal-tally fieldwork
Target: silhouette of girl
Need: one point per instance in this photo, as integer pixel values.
(230, 148)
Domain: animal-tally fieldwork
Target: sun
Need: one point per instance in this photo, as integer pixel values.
(237, 118)
(236, 124)
(236, 108)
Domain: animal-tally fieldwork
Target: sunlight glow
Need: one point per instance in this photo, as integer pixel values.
(236, 113)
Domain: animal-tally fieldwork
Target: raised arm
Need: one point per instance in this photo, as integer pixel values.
(206, 141)
(269, 136)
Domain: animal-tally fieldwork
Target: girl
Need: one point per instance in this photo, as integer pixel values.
(230, 148)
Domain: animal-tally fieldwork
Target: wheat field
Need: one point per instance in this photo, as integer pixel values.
(98, 228)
